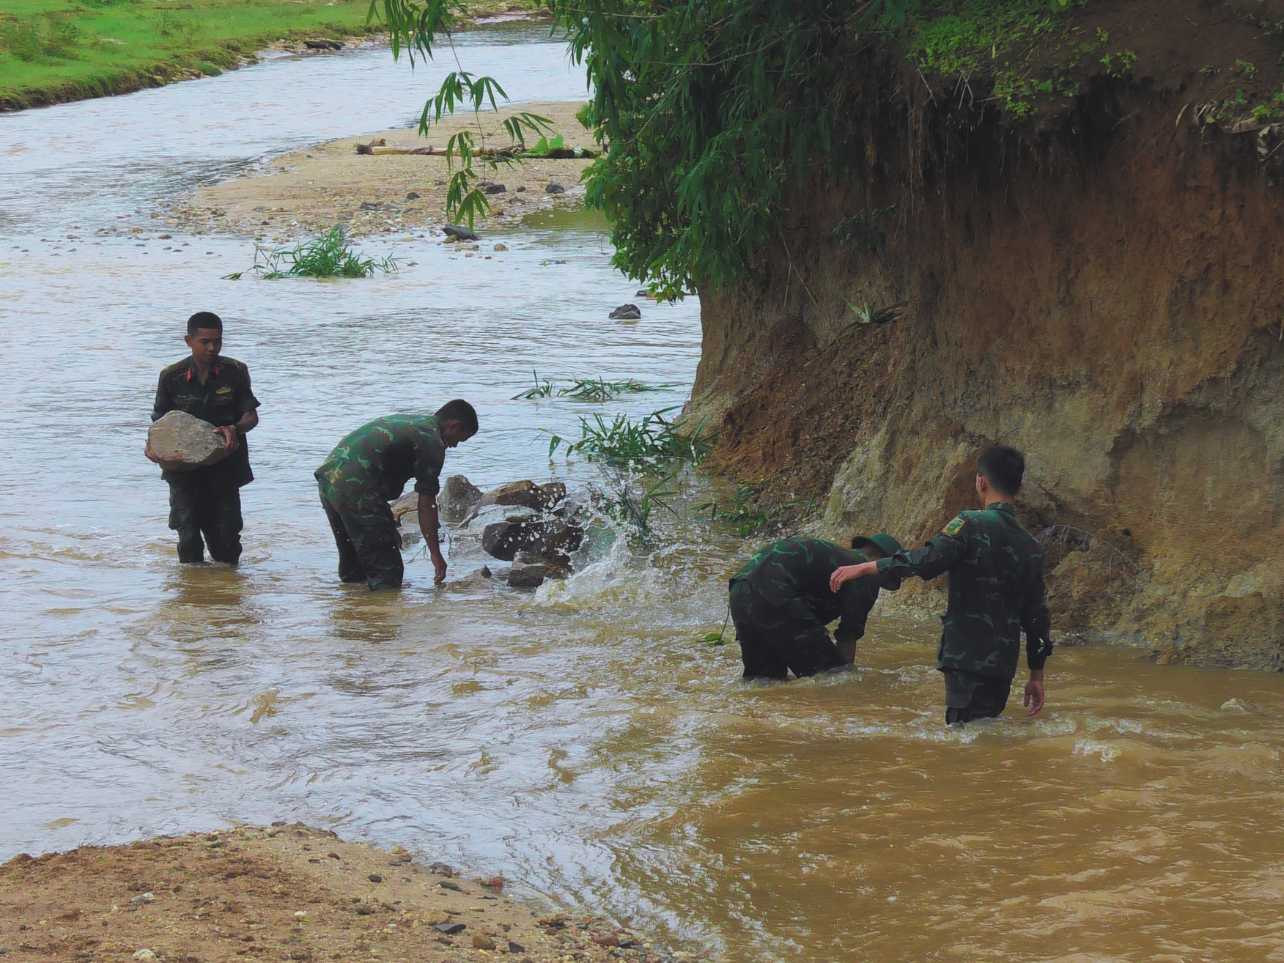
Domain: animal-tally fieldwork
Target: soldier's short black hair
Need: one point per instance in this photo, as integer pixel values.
(1004, 466)
(203, 319)
(461, 411)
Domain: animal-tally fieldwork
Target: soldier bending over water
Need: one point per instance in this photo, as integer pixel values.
(368, 468)
(781, 605)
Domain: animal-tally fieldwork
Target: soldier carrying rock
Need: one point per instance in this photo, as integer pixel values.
(368, 468)
(206, 500)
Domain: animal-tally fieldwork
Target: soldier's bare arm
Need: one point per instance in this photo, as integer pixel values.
(429, 525)
(1037, 624)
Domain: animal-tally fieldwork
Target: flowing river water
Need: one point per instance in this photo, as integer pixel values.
(581, 740)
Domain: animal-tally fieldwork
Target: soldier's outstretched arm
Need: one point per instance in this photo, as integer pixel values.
(942, 552)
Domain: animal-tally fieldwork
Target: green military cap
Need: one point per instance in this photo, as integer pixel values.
(882, 541)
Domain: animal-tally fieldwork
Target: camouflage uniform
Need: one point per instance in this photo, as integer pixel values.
(207, 501)
(363, 473)
(781, 604)
(995, 591)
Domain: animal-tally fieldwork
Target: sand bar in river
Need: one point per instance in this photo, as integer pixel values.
(309, 191)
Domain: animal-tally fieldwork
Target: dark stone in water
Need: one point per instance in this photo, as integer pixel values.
(450, 929)
(490, 187)
(555, 189)
(626, 312)
(459, 233)
(412, 196)
(503, 540)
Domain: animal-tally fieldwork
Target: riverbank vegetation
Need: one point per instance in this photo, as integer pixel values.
(715, 112)
(58, 50)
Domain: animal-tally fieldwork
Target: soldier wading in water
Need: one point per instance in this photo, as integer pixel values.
(996, 591)
(781, 605)
(207, 501)
(368, 468)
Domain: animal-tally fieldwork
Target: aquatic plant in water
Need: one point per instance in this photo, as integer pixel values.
(587, 389)
(645, 445)
(329, 256)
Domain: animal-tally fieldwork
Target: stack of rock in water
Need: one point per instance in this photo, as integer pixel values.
(184, 442)
(538, 540)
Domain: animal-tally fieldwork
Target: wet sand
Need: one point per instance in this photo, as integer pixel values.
(285, 892)
(311, 190)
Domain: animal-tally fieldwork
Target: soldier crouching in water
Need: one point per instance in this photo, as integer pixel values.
(781, 604)
(368, 468)
(996, 590)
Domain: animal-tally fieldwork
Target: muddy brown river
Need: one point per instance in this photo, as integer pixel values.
(581, 740)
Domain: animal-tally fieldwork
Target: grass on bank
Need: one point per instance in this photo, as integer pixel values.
(52, 50)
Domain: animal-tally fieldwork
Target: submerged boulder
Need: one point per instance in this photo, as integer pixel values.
(626, 312)
(551, 536)
(184, 442)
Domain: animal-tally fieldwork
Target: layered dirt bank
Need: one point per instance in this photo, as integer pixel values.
(278, 893)
(1103, 288)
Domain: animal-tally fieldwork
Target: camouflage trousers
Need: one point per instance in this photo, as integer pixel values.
(206, 510)
(775, 640)
(970, 696)
(366, 536)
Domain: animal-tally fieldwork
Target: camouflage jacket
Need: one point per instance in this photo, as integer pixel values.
(222, 400)
(996, 591)
(380, 456)
(798, 569)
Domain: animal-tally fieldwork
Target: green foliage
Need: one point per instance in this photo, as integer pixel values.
(1271, 111)
(713, 110)
(328, 256)
(587, 389)
(649, 445)
(750, 511)
(51, 37)
(635, 502)
(1119, 64)
(542, 389)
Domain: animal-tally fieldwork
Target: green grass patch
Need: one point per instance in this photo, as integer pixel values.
(586, 389)
(328, 256)
(54, 50)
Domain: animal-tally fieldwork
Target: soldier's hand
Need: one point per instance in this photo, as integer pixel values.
(230, 438)
(439, 568)
(1033, 699)
(846, 573)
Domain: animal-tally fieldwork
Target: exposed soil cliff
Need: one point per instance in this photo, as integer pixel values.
(1101, 285)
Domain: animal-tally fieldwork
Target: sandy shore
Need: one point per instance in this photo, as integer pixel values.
(285, 892)
(311, 190)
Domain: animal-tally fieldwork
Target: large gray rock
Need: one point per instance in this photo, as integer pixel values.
(458, 497)
(184, 442)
